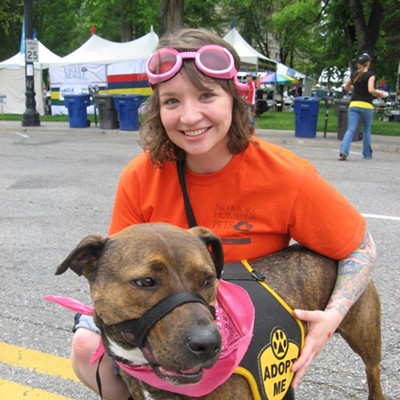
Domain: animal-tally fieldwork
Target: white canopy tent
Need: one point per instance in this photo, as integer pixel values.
(118, 68)
(46, 57)
(97, 50)
(250, 58)
(12, 80)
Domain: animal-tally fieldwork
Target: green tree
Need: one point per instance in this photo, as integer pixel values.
(253, 19)
(171, 15)
(388, 47)
(204, 14)
(120, 20)
(57, 24)
(295, 28)
(11, 13)
(356, 26)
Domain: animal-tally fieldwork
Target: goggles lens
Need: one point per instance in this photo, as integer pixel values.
(161, 62)
(218, 60)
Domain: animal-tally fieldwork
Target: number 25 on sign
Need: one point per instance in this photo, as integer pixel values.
(31, 50)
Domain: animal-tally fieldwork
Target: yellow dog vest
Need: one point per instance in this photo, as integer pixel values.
(278, 336)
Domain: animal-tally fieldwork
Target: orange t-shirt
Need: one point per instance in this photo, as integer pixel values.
(265, 196)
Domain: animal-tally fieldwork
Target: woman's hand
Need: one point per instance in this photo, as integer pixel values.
(353, 277)
(383, 94)
(321, 326)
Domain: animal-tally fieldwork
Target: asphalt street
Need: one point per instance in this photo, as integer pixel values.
(57, 185)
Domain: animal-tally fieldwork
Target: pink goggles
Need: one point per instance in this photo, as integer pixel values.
(212, 60)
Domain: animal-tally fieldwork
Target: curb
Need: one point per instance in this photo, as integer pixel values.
(284, 137)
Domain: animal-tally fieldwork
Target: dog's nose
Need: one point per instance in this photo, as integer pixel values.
(204, 343)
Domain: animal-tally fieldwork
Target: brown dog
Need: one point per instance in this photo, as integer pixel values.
(134, 270)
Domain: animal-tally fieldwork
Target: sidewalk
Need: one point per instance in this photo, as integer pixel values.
(379, 143)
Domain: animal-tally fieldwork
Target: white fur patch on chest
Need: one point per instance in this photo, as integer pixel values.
(134, 356)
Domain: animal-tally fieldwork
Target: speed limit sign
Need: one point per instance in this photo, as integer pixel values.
(31, 50)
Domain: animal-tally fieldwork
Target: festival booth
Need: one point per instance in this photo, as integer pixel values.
(253, 62)
(12, 81)
(303, 83)
(108, 67)
(285, 70)
(250, 59)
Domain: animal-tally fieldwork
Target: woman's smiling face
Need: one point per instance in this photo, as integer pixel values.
(197, 121)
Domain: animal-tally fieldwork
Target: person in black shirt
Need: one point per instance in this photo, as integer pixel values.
(362, 84)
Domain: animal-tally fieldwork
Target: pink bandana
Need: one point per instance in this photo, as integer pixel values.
(235, 319)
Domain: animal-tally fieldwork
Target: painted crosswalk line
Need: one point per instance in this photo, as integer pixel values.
(38, 362)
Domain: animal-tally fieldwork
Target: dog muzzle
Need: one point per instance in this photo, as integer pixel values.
(140, 327)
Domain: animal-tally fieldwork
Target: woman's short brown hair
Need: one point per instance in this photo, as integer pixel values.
(154, 139)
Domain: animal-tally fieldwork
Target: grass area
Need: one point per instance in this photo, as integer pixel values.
(268, 120)
(18, 117)
(286, 121)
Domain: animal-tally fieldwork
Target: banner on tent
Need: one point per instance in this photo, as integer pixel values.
(74, 79)
(78, 74)
(128, 78)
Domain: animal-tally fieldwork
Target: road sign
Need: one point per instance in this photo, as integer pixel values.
(31, 50)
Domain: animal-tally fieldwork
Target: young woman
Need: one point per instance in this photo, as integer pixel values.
(363, 89)
(254, 195)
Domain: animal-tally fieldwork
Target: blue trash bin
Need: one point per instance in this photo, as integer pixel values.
(127, 106)
(77, 112)
(306, 116)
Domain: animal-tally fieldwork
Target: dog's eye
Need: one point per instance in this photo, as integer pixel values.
(209, 281)
(145, 282)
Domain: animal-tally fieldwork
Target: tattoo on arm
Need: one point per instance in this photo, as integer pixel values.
(353, 276)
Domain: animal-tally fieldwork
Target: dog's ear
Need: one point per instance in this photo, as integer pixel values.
(83, 258)
(214, 246)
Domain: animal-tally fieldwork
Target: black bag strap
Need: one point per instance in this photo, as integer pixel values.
(180, 165)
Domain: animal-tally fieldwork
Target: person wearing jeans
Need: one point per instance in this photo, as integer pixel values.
(362, 84)
(354, 115)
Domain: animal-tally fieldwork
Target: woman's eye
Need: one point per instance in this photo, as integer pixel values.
(145, 282)
(170, 102)
(207, 95)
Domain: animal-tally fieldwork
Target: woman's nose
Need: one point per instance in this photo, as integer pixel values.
(190, 113)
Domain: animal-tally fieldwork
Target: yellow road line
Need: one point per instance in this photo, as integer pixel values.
(36, 361)
(15, 391)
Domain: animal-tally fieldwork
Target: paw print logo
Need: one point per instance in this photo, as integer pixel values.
(243, 226)
(279, 343)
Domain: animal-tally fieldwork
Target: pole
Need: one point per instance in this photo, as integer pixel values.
(30, 116)
(328, 103)
(326, 121)
(397, 84)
